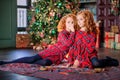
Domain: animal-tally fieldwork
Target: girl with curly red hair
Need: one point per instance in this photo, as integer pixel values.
(83, 49)
(83, 53)
(55, 53)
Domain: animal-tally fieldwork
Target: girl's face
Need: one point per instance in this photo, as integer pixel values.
(81, 21)
(69, 24)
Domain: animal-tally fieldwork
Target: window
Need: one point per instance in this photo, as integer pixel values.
(22, 6)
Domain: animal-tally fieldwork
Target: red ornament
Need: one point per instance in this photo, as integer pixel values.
(67, 6)
(52, 13)
(41, 34)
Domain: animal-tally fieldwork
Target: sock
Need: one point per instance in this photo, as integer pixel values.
(112, 61)
(1, 62)
(95, 62)
(44, 62)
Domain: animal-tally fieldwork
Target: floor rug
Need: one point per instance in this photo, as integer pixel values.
(62, 73)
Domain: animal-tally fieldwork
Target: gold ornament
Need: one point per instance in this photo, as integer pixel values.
(52, 13)
(67, 6)
(38, 48)
(31, 44)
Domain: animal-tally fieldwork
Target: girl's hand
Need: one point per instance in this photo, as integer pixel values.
(72, 29)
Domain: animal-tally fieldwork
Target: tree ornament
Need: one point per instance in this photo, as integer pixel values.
(59, 4)
(29, 17)
(37, 11)
(31, 44)
(59, 15)
(34, 47)
(67, 6)
(37, 23)
(53, 40)
(56, 17)
(40, 23)
(49, 45)
(32, 9)
(41, 34)
(33, 19)
(52, 13)
(39, 48)
(53, 32)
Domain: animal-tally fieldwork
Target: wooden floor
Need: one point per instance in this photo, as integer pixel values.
(10, 54)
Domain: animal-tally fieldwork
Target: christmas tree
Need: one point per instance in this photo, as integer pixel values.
(44, 16)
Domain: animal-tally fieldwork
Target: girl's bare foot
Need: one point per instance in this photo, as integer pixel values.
(76, 64)
(68, 65)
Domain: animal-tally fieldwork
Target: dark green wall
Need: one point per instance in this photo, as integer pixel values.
(8, 23)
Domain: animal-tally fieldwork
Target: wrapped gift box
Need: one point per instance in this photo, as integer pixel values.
(22, 40)
(113, 45)
(114, 29)
(117, 46)
(117, 38)
(109, 39)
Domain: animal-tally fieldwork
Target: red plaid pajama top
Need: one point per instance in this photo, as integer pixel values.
(57, 51)
(83, 49)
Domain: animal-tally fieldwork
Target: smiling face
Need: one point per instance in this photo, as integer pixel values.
(69, 23)
(81, 21)
(86, 21)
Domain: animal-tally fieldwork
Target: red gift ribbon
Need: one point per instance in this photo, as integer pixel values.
(107, 38)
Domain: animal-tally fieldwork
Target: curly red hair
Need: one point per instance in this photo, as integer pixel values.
(62, 23)
(89, 21)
